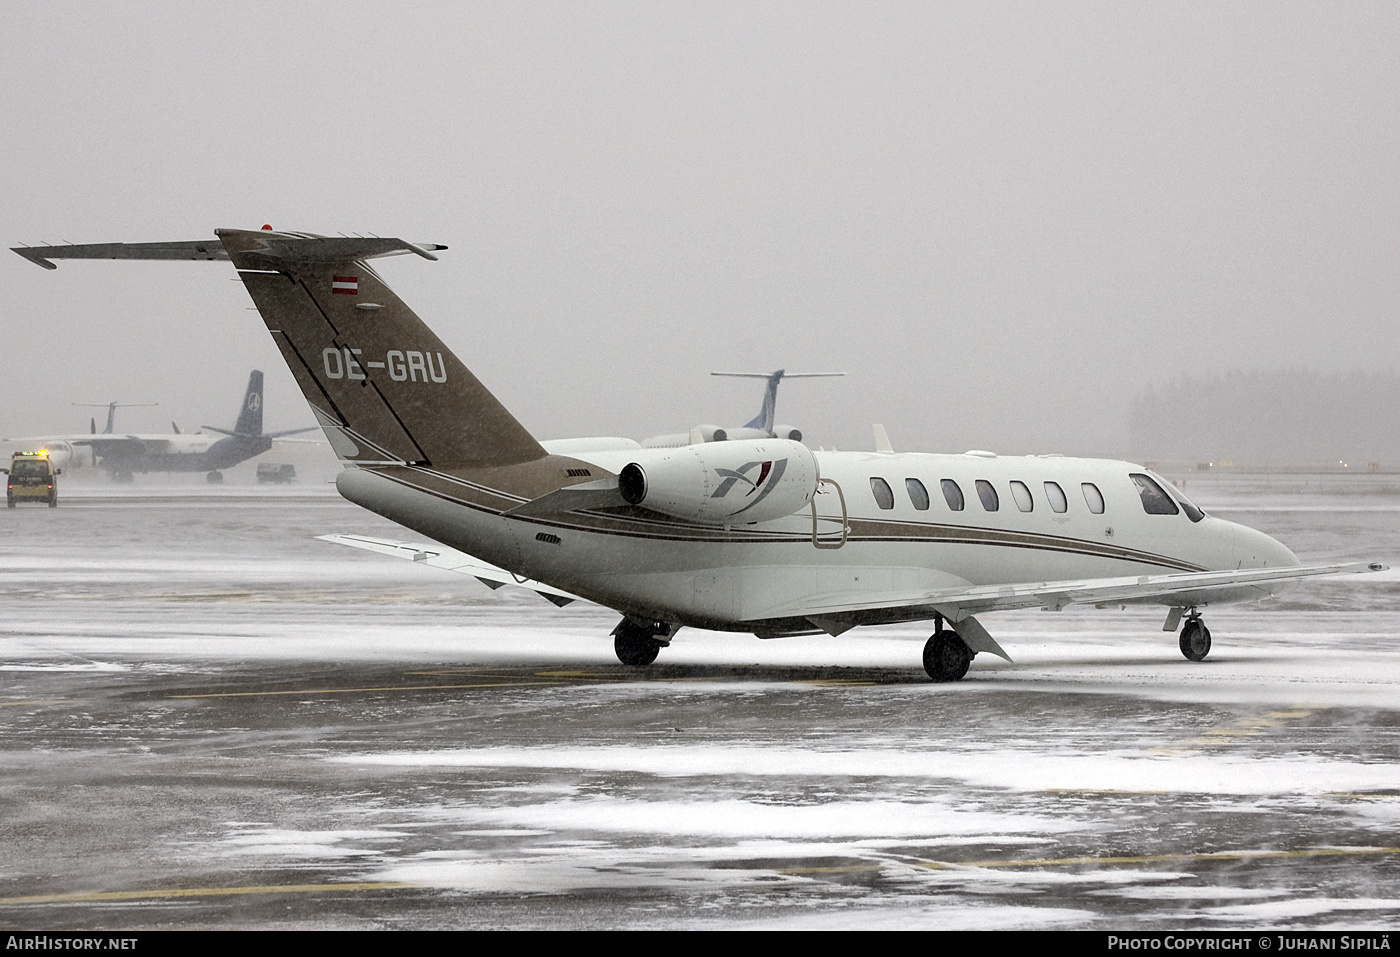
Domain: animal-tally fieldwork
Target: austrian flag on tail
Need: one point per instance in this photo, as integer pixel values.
(345, 285)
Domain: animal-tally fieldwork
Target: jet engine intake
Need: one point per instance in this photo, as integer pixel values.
(723, 483)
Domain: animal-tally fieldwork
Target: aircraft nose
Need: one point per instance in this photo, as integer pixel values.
(1257, 550)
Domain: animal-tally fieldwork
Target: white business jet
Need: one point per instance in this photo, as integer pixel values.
(758, 535)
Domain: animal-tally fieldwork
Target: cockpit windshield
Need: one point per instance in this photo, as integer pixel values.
(1192, 512)
(1157, 501)
(1154, 500)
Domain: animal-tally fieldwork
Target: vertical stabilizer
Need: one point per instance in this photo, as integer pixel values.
(764, 419)
(383, 386)
(250, 419)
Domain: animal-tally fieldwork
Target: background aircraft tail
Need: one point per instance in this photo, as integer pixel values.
(382, 385)
(250, 415)
(764, 420)
(111, 408)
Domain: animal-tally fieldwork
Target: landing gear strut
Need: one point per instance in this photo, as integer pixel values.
(1195, 638)
(638, 643)
(946, 656)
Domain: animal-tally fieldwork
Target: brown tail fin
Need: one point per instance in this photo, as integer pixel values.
(383, 385)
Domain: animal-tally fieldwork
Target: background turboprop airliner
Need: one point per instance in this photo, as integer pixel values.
(123, 455)
(757, 535)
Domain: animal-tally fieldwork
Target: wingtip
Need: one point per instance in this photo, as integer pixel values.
(32, 254)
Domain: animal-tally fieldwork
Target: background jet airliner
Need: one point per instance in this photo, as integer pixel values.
(757, 535)
(760, 426)
(122, 455)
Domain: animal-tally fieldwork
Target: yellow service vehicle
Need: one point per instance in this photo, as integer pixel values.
(32, 479)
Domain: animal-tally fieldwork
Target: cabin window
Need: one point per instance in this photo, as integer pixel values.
(1022, 495)
(917, 494)
(884, 496)
(1154, 500)
(1056, 495)
(1092, 497)
(988, 495)
(952, 494)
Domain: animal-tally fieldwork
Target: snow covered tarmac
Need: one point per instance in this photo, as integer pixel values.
(212, 719)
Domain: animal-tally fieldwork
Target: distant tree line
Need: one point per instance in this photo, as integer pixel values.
(1287, 417)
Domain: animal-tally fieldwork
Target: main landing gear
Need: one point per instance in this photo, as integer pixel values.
(638, 643)
(214, 478)
(1195, 638)
(946, 656)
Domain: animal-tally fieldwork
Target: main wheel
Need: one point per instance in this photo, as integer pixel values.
(9, 501)
(53, 500)
(1195, 639)
(946, 656)
(634, 645)
(214, 478)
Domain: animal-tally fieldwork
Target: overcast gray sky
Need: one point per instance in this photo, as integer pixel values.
(1000, 219)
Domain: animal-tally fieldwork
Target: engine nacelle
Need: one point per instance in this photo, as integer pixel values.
(788, 432)
(723, 483)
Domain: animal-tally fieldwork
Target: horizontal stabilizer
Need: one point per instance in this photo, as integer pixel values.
(441, 556)
(267, 435)
(206, 249)
(603, 493)
(275, 248)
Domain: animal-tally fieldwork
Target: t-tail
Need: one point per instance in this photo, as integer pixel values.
(764, 421)
(382, 385)
(111, 408)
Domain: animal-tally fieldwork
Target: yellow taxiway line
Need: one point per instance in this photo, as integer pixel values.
(181, 892)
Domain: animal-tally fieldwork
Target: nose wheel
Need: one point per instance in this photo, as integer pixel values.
(946, 656)
(1195, 639)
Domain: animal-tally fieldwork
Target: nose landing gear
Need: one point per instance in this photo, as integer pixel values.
(946, 656)
(1195, 638)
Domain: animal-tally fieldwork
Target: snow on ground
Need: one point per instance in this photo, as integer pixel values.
(404, 724)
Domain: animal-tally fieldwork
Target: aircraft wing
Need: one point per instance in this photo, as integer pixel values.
(956, 604)
(83, 438)
(105, 445)
(441, 556)
(1189, 588)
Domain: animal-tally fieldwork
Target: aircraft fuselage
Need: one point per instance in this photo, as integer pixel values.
(755, 577)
